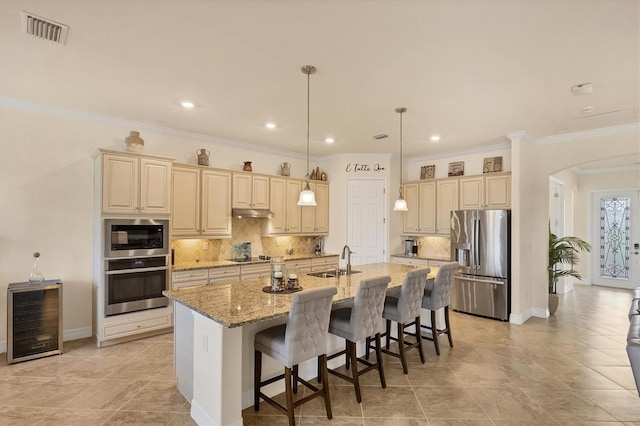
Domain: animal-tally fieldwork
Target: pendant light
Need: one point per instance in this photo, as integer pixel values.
(400, 204)
(307, 197)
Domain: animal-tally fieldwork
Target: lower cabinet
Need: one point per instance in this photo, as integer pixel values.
(226, 274)
(299, 267)
(415, 262)
(125, 325)
(192, 278)
(255, 271)
(324, 263)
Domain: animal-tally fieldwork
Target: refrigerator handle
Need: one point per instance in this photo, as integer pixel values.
(476, 242)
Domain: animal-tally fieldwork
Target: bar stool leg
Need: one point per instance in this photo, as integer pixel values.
(257, 372)
(388, 333)
(434, 332)
(295, 378)
(347, 355)
(419, 339)
(446, 322)
(383, 382)
(322, 361)
(367, 348)
(351, 352)
(289, 395)
(403, 358)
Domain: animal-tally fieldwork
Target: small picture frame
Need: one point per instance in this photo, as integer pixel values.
(492, 165)
(427, 172)
(456, 168)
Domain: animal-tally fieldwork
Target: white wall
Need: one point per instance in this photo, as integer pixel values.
(473, 162)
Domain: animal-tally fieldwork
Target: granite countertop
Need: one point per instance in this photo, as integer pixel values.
(238, 303)
(187, 266)
(404, 256)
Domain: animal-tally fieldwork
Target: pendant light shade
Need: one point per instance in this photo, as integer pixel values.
(400, 204)
(307, 197)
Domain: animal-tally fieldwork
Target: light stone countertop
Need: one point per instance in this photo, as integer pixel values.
(188, 266)
(238, 303)
(404, 256)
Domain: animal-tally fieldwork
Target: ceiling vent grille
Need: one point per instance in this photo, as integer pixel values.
(44, 28)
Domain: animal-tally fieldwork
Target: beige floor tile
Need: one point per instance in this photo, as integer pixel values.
(75, 417)
(93, 368)
(139, 369)
(54, 393)
(568, 405)
(337, 421)
(458, 422)
(182, 419)
(381, 421)
(128, 349)
(139, 418)
(343, 402)
(621, 375)
(434, 375)
(449, 403)
(260, 420)
(530, 375)
(156, 396)
(623, 405)
(581, 377)
(51, 366)
(107, 394)
(480, 375)
(12, 387)
(509, 404)
(161, 350)
(27, 416)
(394, 401)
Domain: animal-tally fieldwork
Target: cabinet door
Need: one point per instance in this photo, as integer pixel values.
(119, 184)
(278, 203)
(216, 203)
(322, 209)
(498, 192)
(410, 219)
(293, 188)
(427, 207)
(242, 191)
(155, 186)
(472, 193)
(447, 201)
(260, 192)
(185, 202)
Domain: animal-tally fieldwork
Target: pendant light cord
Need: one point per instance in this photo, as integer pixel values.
(401, 194)
(308, 177)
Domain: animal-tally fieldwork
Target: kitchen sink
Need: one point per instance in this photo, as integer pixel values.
(331, 274)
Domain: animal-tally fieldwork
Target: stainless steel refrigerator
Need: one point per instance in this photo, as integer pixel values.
(481, 244)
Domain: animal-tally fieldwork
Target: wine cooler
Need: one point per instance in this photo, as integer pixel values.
(34, 320)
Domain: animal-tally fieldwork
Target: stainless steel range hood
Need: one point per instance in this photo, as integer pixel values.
(252, 213)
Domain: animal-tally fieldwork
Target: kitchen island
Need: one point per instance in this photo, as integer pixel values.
(214, 328)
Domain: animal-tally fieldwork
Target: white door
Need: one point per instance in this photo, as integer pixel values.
(366, 222)
(616, 238)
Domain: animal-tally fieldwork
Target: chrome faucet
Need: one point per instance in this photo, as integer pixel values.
(347, 249)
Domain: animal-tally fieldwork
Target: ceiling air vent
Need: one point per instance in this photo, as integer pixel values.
(44, 28)
(380, 136)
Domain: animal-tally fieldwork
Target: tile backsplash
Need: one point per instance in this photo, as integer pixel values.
(434, 247)
(244, 230)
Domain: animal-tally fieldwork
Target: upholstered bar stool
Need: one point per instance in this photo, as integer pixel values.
(404, 309)
(303, 337)
(437, 295)
(361, 322)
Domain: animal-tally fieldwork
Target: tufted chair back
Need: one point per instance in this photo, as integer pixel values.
(366, 316)
(438, 294)
(308, 324)
(411, 292)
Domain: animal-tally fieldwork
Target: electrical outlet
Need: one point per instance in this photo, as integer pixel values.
(205, 246)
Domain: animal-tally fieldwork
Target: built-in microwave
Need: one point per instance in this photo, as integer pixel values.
(136, 237)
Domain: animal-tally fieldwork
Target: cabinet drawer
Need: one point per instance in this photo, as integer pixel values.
(190, 283)
(192, 275)
(302, 266)
(255, 271)
(410, 262)
(323, 263)
(215, 273)
(116, 330)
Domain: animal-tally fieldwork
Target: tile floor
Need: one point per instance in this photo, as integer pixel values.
(570, 369)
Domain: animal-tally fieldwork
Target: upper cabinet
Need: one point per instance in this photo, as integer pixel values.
(284, 205)
(315, 220)
(485, 192)
(201, 205)
(446, 202)
(420, 217)
(250, 191)
(134, 184)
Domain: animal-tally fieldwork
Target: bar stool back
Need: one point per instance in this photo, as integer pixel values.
(303, 337)
(405, 311)
(437, 295)
(361, 322)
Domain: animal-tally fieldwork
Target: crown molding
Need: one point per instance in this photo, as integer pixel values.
(631, 168)
(128, 124)
(502, 146)
(587, 134)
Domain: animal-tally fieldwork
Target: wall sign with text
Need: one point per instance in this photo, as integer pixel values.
(361, 167)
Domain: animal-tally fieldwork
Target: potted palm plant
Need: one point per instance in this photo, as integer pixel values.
(562, 252)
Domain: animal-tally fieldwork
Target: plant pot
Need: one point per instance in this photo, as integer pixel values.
(553, 303)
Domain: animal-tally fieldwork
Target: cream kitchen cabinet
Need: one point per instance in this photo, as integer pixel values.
(324, 263)
(134, 184)
(486, 192)
(250, 191)
(189, 278)
(255, 270)
(409, 261)
(315, 220)
(446, 202)
(284, 205)
(201, 205)
(299, 267)
(224, 274)
(410, 217)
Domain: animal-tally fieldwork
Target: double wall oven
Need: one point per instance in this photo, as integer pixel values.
(136, 267)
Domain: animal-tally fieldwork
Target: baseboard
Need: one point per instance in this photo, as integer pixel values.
(3, 346)
(540, 312)
(520, 319)
(77, 333)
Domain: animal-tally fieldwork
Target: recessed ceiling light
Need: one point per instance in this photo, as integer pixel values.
(187, 104)
(582, 89)
(435, 138)
(270, 125)
(329, 140)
